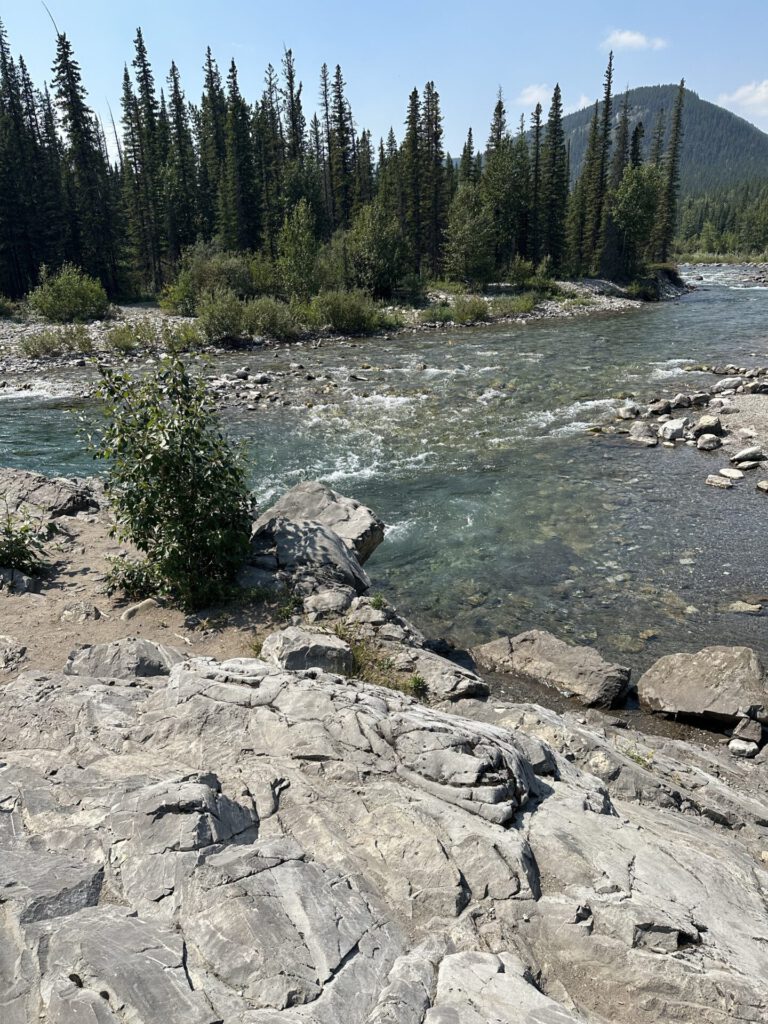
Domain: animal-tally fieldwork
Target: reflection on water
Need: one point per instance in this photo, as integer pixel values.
(503, 513)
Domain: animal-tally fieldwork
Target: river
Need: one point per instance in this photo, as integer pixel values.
(503, 513)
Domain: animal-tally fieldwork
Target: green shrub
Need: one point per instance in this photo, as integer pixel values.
(7, 307)
(513, 305)
(176, 338)
(469, 309)
(127, 337)
(207, 269)
(21, 544)
(176, 486)
(521, 271)
(264, 277)
(220, 315)
(68, 296)
(440, 313)
(346, 312)
(271, 318)
(42, 344)
(133, 577)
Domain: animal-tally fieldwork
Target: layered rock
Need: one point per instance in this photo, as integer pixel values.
(237, 842)
(574, 671)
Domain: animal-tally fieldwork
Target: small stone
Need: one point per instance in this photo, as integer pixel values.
(732, 474)
(715, 480)
(762, 485)
(744, 608)
(742, 748)
(707, 425)
(708, 442)
(660, 408)
(137, 609)
(748, 729)
(673, 430)
(748, 465)
(752, 454)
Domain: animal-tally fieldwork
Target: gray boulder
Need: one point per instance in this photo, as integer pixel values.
(297, 649)
(123, 659)
(304, 547)
(673, 430)
(708, 442)
(575, 671)
(707, 425)
(358, 526)
(719, 683)
(644, 433)
(50, 497)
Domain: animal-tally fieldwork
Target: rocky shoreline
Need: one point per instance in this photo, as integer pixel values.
(243, 824)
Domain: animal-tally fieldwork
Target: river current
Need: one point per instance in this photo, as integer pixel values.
(503, 512)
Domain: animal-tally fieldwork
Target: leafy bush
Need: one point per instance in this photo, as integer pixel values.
(7, 307)
(68, 296)
(176, 485)
(206, 269)
(264, 280)
(468, 309)
(521, 271)
(133, 577)
(127, 337)
(74, 338)
(346, 312)
(271, 318)
(440, 313)
(21, 544)
(513, 305)
(297, 249)
(176, 338)
(220, 315)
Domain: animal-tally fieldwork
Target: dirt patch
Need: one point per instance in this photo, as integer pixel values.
(73, 609)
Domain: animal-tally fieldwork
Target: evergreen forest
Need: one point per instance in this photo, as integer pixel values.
(315, 201)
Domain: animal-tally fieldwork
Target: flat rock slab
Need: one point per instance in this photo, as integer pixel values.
(358, 526)
(123, 659)
(716, 682)
(575, 671)
(298, 649)
(46, 496)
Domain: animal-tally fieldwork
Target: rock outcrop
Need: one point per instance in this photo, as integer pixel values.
(50, 497)
(246, 844)
(717, 683)
(574, 671)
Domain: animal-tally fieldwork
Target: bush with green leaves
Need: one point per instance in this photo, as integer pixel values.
(346, 313)
(469, 309)
(68, 296)
(21, 544)
(297, 249)
(73, 338)
(176, 484)
(513, 305)
(205, 269)
(270, 318)
(220, 316)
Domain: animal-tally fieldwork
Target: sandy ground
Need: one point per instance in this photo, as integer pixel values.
(51, 624)
(747, 424)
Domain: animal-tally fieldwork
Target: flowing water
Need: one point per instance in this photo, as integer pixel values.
(503, 512)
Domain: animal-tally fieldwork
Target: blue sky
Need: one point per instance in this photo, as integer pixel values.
(468, 49)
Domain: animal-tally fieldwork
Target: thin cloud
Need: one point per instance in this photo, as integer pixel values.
(626, 39)
(581, 102)
(533, 94)
(751, 98)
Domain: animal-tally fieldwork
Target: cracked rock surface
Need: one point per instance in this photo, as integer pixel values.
(238, 842)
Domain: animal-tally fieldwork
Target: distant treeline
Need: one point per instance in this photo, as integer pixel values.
(252, 176)
(730, 221)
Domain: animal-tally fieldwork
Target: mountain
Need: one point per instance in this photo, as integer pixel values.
(719, 149)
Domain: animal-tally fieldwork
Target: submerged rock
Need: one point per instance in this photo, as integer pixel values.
(574, 671)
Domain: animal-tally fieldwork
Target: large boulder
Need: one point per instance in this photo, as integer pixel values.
(717, 683)
(359, 527)
(50, 497)
(296, 649)
(579, 672)
(123, 659)
(305, 548)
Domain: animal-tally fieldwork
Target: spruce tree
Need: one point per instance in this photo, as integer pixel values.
(211, 128)
(238, 204)
(554, 185)
(180, 173)
(433, 185)
(636, 145)
(412, 165)
(467, 162)
(667, 210)
(534, 220)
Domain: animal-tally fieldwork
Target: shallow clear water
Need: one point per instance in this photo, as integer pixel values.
(504, 513)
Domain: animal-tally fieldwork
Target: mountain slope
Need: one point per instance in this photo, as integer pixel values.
(719, 149)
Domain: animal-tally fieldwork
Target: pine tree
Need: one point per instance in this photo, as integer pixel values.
(534, 224)
(270, 158)
(340, 151)
(180, 173)
(467, 161)
(554, 185)
(657, 142)
(636, 145)
(238, 213)
(211, 130)
(667, 210)
(86, 174)
(433, 195)
(412, 165)
(498, 125)
(597, 182)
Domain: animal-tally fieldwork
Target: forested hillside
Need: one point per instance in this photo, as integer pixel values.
(314, 201)
(728, 221)
(719, 149)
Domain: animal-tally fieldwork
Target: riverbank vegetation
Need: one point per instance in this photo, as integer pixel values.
(260, 212)
(730, 223)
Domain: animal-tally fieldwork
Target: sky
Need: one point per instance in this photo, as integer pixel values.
(469, 50)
